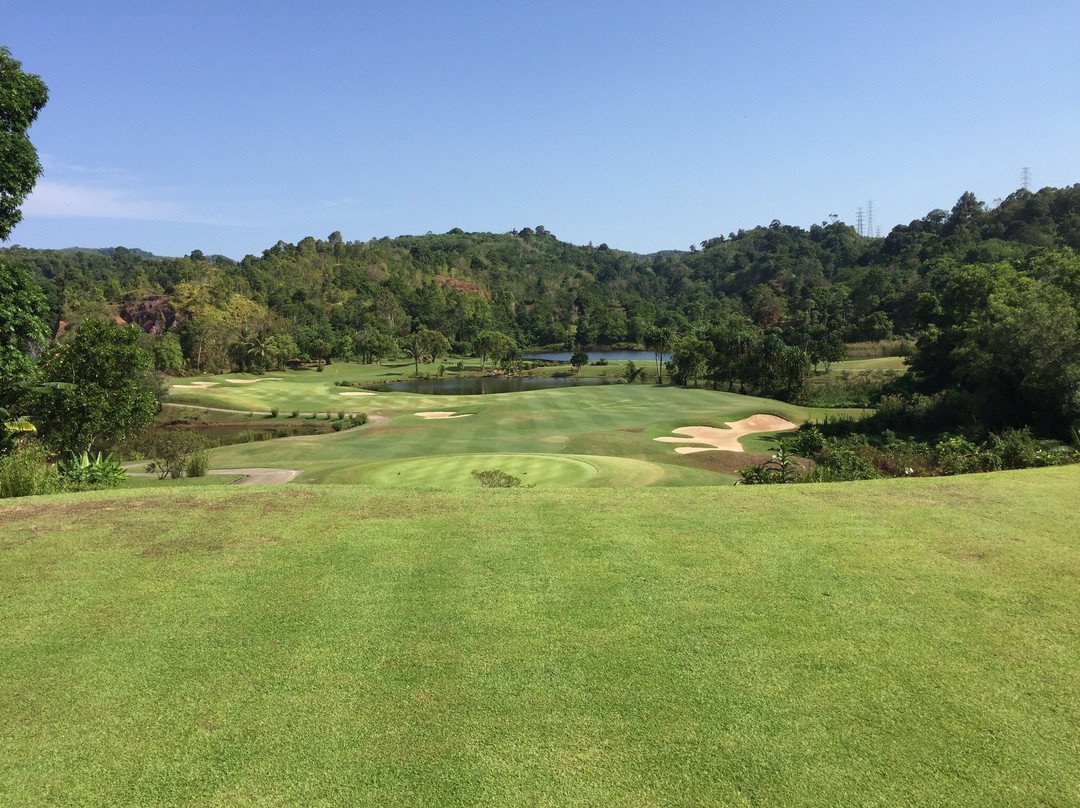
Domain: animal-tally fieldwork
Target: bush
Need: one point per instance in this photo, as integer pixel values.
(86, 471)
(337, 426)
(173, 449)
(495, 478)
(780, 468)
(198, 464)
(274, 412)
(295, 414)
(27, 471)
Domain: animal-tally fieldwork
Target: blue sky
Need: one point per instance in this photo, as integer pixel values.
(226, 127)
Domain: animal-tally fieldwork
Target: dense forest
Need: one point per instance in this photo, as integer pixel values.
(989, 297)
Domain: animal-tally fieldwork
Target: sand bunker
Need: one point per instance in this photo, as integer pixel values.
(358, 393)
(193, 386)
(442, 414)
(726, 440)
(247, 381)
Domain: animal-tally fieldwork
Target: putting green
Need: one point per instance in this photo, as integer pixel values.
(455, 471)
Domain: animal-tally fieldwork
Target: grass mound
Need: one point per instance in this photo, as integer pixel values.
(902, 642)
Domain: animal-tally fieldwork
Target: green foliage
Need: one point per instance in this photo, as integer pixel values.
(494, 478)
(168, 355)
(87, 471)
(632, 372)
(22, 96)
(22, 328)
(778, 469)
(175, 451)
(26, 471)
(578, 359)
(198, 463)
(103, 388)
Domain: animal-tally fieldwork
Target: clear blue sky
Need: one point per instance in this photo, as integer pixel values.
(227, 126)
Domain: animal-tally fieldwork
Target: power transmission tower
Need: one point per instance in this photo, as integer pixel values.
(859, 223)
(870, 218)
(1025, 178)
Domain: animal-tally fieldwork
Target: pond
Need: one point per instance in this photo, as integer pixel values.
(611, 356)
(483, 385)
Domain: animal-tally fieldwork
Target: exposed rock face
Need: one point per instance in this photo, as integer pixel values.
(154, 314)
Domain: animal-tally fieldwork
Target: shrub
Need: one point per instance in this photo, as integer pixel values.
(495, 478)
(173, 449)
(87, 471)
(274, 412)
(341, 416)
(198, 464)
(295, 414)
(337, 426)
(780, 468)
(27, 471)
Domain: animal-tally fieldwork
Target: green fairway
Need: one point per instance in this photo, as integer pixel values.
(901, 642)
(611, 428)
(455, 471)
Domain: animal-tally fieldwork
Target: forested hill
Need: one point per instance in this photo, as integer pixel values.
(527, 284)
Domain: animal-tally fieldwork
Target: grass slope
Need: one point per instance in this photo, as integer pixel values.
(904, 642)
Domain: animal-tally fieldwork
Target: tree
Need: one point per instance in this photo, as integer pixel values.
(99, 388)
(689, 359)
(22, 329)
(22, 95)
(578, 359)
(424, 345)
(493, 344)
(656, 340)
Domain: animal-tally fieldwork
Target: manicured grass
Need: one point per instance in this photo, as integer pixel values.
(617, 422)
(863, 365)
(183, 482)
(902, 642)
(455, 471)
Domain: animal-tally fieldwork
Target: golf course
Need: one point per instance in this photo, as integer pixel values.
(604, 435)
(634, 630)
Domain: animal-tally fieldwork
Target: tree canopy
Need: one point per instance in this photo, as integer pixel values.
(22, 95)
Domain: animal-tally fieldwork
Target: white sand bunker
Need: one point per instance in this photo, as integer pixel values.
(247, 381)
(726, 440)
(358, 393)
(443, 414)
(193, 386)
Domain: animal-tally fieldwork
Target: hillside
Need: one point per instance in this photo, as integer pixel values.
(895, 642)
(753, 310)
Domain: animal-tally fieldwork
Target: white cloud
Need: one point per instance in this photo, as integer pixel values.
(83, 201)
(59, 199)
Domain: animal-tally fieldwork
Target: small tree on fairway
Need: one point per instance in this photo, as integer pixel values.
(579, 358)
